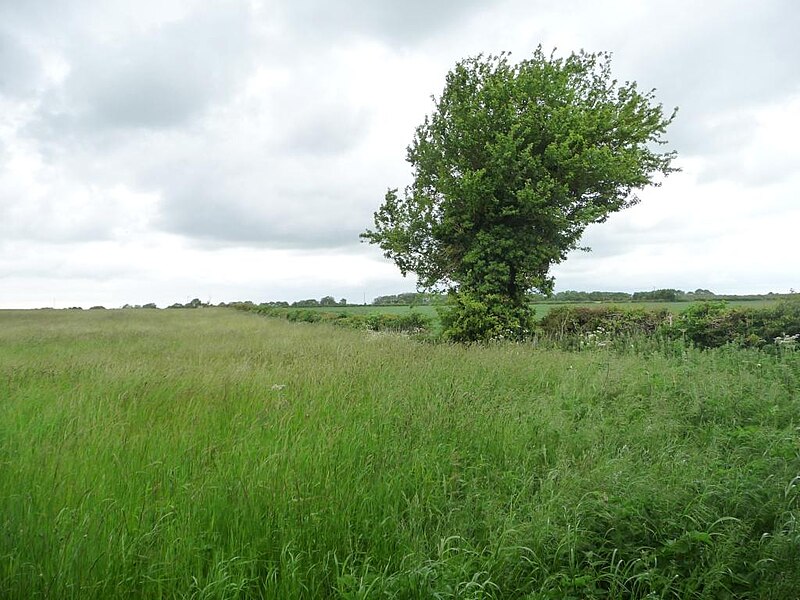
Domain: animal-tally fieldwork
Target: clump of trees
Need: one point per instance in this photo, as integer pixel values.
(574, 296)
(194, 303)
(324, 301)
(406, 299)
(515, 161)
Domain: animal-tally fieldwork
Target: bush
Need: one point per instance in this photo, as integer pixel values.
(413, 322)
(703, 325)
(714, 324)
(710, 325)
(566, 323)
(469, 319)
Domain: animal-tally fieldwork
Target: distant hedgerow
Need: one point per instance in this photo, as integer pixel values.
(413, 322)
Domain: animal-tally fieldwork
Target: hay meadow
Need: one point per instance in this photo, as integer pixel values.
(221, 454)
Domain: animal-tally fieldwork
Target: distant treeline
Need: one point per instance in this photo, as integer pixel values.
(425, 299)
(662, 295)
(408, 299)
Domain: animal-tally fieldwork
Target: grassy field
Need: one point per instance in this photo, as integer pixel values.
(218, 454)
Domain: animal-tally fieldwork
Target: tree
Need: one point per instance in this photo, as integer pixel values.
(509, 169)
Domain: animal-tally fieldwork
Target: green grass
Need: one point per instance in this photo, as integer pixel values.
(219, 454)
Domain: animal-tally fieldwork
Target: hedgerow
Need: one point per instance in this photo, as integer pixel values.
(703, 325)
(412, 322)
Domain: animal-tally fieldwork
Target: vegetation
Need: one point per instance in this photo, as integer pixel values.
(410, 322)
(217, 454)
(703, 324)
(511, 167)
(311, 302)
(407, 299)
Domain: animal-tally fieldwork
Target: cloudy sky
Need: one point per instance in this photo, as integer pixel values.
(161, 150)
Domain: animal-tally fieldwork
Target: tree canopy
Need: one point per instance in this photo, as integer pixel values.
(513, 164)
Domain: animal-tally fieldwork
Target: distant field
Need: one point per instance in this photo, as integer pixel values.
(213, 453)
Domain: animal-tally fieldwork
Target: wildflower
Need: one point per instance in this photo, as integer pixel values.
(278, 386)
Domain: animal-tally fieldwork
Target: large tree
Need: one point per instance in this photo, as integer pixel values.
(509, 169)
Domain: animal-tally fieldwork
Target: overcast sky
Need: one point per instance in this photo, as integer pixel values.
(161, 150)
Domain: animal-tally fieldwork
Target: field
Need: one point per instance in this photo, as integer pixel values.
(219, 454)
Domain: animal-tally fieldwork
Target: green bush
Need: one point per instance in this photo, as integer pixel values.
(703, 325)
(576, 323)
(714, 324)
(413, 322)
(467, 318)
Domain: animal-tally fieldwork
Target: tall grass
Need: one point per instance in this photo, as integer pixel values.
(218, 454)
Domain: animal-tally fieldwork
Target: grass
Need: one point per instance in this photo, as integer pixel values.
(218, 454)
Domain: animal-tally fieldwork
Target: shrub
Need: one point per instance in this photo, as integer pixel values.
(704, 325)
(412, 322)
(468, 319)
(710, 324)
(714, 324)
(566, 322)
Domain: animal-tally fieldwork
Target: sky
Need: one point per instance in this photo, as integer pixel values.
(164, 150)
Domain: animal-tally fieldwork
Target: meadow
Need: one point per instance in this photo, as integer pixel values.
(214, 453)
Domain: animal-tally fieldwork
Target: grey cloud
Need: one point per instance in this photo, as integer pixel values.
(48, 226)
(160, 78)
(20, 68)
(42, 15)
(715, 57)
(240, 205)
(283, 221)
(330, 130)
(397, 22)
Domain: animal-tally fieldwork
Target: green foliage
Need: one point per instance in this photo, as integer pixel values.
(406, 299)
(575, 296)
(708, 324)
(306, 303)
(713, 324)
(412, 322)
(513, 164)
(470, 318)
(580, 326)
(664, 295)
